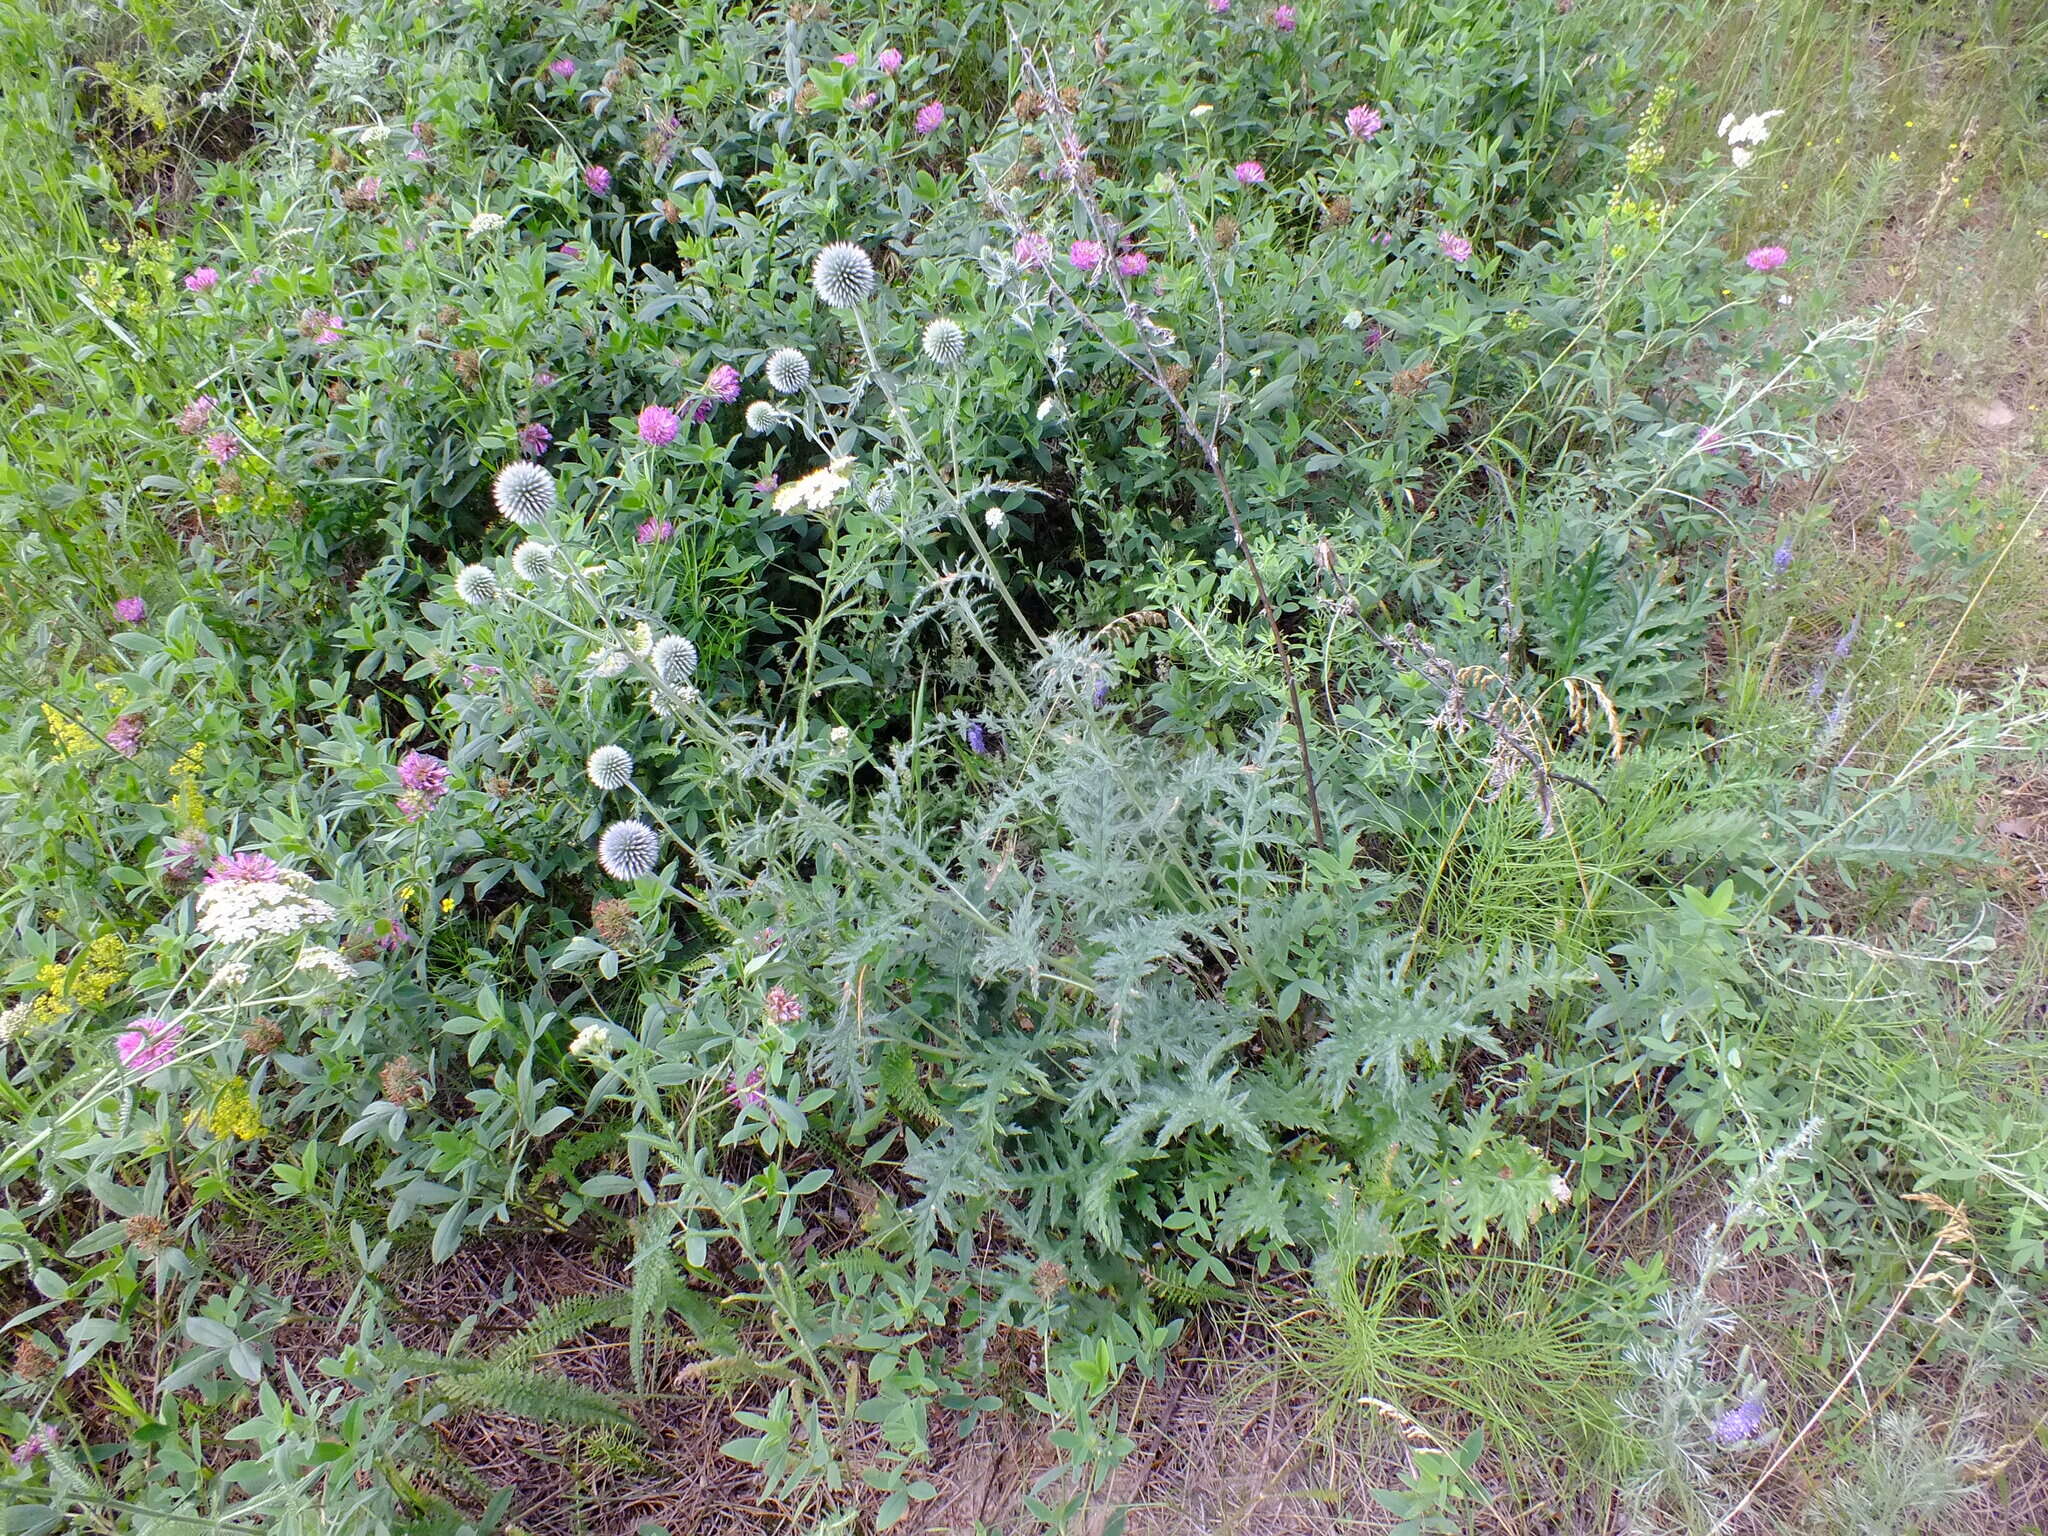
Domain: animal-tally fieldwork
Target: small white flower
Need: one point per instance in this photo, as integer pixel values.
(843, 275)
(609, 662)
(610, 768)
(1353, 319)
(476, 586)
(486, 223)
(673, 658)
(1047, 408)
(1559, 1190)
(241, 910)
(762, 417)
(817, 490)
(322, 964)
(788, 371)
(628, 850)
(1200, 109)
(15, 1021)
(593, 1042)
(841, 734)
(945, 343)
(1754, 129)
(524, 492)
(993, 517)
(233, 975)
(535, 561)
(666, 700)
(376, 133)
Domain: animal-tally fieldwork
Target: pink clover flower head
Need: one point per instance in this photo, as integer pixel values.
(321, 327)
(654, 531)
(1085, 255)
(220, 446)
(746, 1092)
(183, 857)
(1708, 440)
(544, 378)
(1766, 258)
(40, 1441)
(889, 60)
(534, 438)
(783, 1007)
(869, 99)
(1362, 121)
(368, 189)
(850, 60)
(1133, 263)
(1454, 245)
(131, 610)
(563, 68)
(723, 384)
(659, 425)
(570, 252)
(425, 779)
(930, 117)
(1283, 18)
(1032, 250)
(598, 179)
(200, 279)
(252, 867)
(193, 419)
(125, 735)
(148, 1044)
(1248, 172)
(767, 484)
(1220, 7)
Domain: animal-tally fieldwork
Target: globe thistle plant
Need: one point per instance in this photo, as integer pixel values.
(628, 850)
(762, 417)
(788, 370)
(673, 659)
(945, 343)
(476, 586)
(534, 561)
(610, 768)
(843, 275)
(524, 492)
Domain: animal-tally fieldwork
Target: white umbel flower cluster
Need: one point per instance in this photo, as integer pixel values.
(1740, 134)
(817, 490)
(238, 911)
(321, 964)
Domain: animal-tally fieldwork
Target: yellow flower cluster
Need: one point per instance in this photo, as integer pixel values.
(86, 982)
(188, 804)
(1646, 149)
(234, 1116)
(1629, 216)
(71, 738)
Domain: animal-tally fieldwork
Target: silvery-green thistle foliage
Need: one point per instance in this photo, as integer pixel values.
(524, 492)
(673, 659)
(610, 768)
(628, 850)
(842, 275)
(945, 343)
(534, 561)
(788, 371)
(476, 586)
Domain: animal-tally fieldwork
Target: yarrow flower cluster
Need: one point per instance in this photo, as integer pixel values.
(593, 1042)
(321, 964)
(788, 371)
(248, 897)
(842, 275)
(628, 850)
(658, 425)
(425, 781)
(524, 493)
(817, 490)
(1739, 135)
(147, 1045)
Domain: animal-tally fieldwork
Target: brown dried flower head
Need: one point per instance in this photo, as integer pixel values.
(1049, 1279)
(1225, 232)
(32, 1362)
(262, 1037)
(1338, 214)
(615, 923)
(469, 367)
(401, 1082)
(147, 1233)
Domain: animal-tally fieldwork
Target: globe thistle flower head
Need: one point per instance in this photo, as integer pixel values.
(628, 850)
(788, 370)
(535, 562)
(673, 659)
(610, 768)
(762, 417)
(945, 343)
(666, 700)
(843, 275)
(476, 586)
(524, 493)
(658, 425)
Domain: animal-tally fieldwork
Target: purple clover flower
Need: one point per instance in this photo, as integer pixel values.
(1454, 245)
(889, 60)
(1362, 122)
(598, 179)
(1283, 18)
(1133, 263)
(131, 610)
(1249, 173)
(724, 384)
(1032, 251)
(931, 117)
(425, 779)
(659, 425)
(147, 1045)
(201, 279)
(1085, 255)
(746, 1092)
(1739, 1423)
(242, 866)
(1766, 258)
(534, 439)
(654, 531)
(563, 68)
